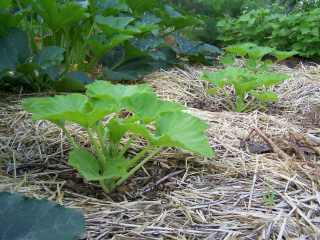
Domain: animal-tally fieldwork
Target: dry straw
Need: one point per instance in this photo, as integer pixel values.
(243, 193)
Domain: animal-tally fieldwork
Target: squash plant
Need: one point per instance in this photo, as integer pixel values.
(111, 113)
(110, 39)
(250, 82)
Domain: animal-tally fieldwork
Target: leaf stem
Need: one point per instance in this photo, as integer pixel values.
(69, 137)
(138, 156)
(97, 148)
(126, 147)
(137, 167)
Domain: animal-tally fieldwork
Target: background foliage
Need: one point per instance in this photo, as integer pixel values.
(297, 30)
(283, 24)
(59, 44)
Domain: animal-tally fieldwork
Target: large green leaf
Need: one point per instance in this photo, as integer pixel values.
(90, 167)
(178, 129)
(26, 218)
(249, 49)
(282, 55)
(8, 21)
(104, 89)
(86, 164)
(109, 7)
(119, 127)
(50, 56)
(140, 7)
(73, 82)
(131, 70)
(14, 50)
(265, 96)
(73, 107)
(148, 107)
(100, 45)
(270, 79)
(229, 75)
(136, 58)
(199, 51)
(5, 4)
(111, 25)
(59, 16)
(175, 19)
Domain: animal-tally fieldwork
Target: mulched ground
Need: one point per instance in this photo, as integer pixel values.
(263, 183)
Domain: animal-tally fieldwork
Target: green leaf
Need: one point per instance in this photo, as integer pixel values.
(59, 16)
(178, 129)
(282, 55)
(176, 20)
(195, 48)
(73, 82)
(14, 50)
(131, 70)
(228, 59)
(270, 79)
(109, 7)
(111, 25)
(27, 218)
(259, 52)
(227, 76)
(50, 56)
(240, 49)
(99, 46)
(265, 96)
(103, 89)
(140, 7)
(249, 49)
(9, 18)
(148, 107)
(86, 164)
(73, 108)
(5, 4)
(116, 167)
(99, 108)
(119, 127)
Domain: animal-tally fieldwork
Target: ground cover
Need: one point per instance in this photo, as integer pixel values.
(263, 182)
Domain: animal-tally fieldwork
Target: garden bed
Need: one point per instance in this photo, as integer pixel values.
(262, 184)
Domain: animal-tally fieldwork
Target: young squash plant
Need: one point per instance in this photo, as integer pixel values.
(250, 83)
(112, 113)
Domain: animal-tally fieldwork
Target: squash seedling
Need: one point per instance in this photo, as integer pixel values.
(250, 82)
(101, 113)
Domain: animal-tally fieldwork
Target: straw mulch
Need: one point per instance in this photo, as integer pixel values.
(264, 182)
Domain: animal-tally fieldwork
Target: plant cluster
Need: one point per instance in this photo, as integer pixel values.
(251, 82)
(54, 43)
(113, 117)
(296, 31)
(210, 12)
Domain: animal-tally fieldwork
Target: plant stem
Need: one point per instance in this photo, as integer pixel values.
(137, 167)
(229, 101)
(126, 147)
(104, 186)
(138, 156)
(97, 148)
(69, 137)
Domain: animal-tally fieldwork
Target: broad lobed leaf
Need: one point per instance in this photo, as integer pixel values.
(179, 129)
(174, 128)
(58, 109)
(27, 218)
